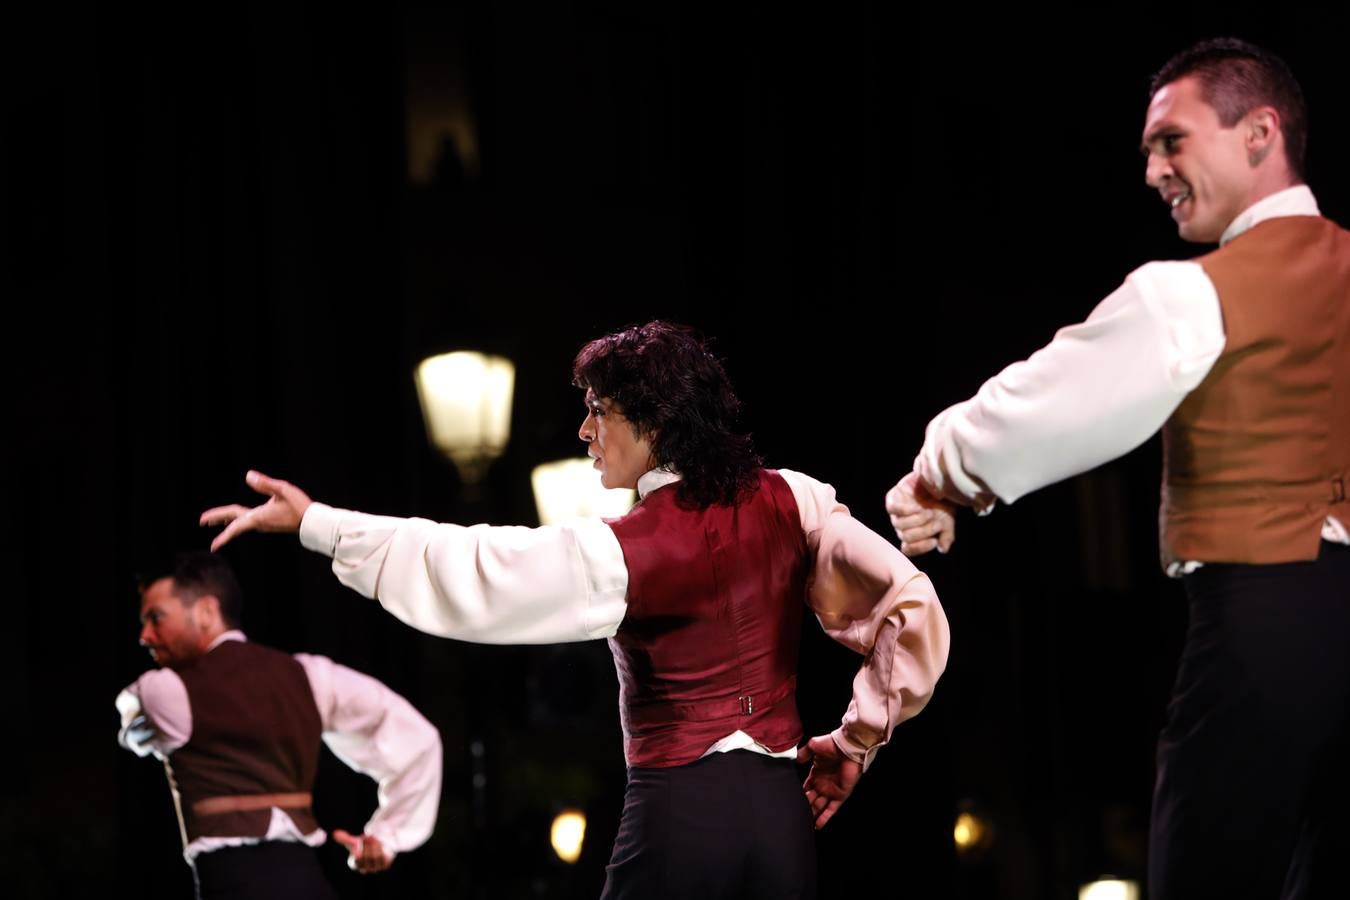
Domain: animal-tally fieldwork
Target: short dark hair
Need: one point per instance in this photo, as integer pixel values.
(1235, 77)
(676, 394)
(195, 574)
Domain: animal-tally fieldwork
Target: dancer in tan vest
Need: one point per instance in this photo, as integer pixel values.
(1242, 358)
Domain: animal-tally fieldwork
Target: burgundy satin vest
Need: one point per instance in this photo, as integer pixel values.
(708, 645)
(255, 730)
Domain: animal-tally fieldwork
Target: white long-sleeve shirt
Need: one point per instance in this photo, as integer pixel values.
(369, 727)
(517, 585)
(1100, 388)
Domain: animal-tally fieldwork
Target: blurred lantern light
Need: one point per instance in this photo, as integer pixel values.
(570, 489)
(567, 834)
(1109, 889)
(970, 833)
(466, 403)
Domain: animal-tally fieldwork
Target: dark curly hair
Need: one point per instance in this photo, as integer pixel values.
(1236, 77)
(674, 392)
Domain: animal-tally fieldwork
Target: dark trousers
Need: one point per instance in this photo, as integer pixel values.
(1252, 797)
(272, 870)
(730, 825)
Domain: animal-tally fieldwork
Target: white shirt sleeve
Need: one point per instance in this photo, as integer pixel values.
(1097, 391)
(378, 733)
(492, 585)
(870, 598)
(156, 715)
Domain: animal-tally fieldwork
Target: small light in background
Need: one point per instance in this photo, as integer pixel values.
(571, 489)
(1109, 889)
(466, 403)
(970, 833)
(567, 834)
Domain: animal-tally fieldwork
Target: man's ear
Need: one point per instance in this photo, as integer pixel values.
(1263, 133)
(208, 613)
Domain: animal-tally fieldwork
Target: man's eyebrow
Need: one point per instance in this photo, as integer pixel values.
(1155, 134)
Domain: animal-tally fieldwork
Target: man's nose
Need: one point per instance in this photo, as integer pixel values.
(1155, 170)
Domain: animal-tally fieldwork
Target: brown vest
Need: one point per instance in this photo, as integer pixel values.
(1258, 455)
(255, 730)
(708, 645)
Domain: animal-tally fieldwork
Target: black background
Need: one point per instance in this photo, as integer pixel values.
(215, 259)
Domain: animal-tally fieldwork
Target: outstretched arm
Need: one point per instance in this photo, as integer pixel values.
(488, 584)
(1095, 392)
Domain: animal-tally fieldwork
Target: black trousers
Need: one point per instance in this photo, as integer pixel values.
(272, 870)
(1252, 797)
(730, 825)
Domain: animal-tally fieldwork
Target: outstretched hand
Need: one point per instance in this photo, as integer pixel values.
(285, 507)
(831, 779)
(365, 852)
(922, 520)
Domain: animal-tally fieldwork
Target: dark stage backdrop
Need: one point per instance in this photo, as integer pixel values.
(229, 237)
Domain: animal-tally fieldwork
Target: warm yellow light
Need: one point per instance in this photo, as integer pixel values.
(969, 832)
(466, 402)
(571, 489)
(1109, 889)
(567, 834)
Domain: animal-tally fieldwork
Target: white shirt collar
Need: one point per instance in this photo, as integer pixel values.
(1294, 201)
(234, 634)
(656, 478)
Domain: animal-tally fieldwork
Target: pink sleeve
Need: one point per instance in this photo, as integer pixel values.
(378, 733)
(156, 715)
(868, 596)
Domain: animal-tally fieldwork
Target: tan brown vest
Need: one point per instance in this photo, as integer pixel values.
(255, 730)
(1258, 455)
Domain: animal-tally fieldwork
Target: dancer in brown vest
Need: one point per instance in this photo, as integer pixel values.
(239, 728)
(1242, 357)
(700, 591)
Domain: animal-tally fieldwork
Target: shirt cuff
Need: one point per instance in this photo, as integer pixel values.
(854, 750)
(319, 528)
